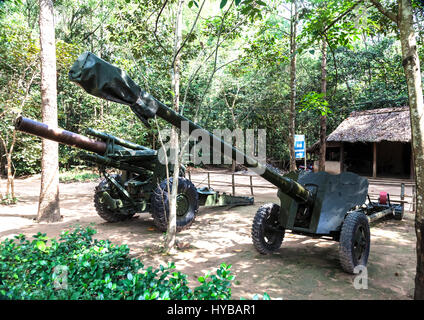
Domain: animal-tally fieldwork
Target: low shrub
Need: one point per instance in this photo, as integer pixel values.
(77, 176)
(79, 267)
(8, 200)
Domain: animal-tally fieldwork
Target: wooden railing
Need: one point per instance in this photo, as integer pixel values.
(233, 183)
(407, 199)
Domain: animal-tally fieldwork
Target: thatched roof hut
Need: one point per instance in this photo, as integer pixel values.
(387, 124)
(372, 142)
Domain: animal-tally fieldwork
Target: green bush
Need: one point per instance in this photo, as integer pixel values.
(77, 175)
(80, 267)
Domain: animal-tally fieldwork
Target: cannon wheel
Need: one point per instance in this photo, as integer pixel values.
(102, 209)
(267, 233)
(399, 215)
(187, 204)
(354, 241)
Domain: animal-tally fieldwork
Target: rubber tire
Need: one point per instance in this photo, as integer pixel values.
(160, 204)
(399, 217)
(258, 233)
(102, 210)
(346, 253)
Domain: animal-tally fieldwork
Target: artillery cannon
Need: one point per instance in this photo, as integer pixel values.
(313, 204)
(142, 185)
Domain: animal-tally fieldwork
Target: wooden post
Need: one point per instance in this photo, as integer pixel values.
(402, 196)
(402, 191)
(341, 157)
(413, 197)
(374, 162)
(209, 180)
(232, 181)
(412, 170)
(304, 150)
(251, 186)
(189, 174)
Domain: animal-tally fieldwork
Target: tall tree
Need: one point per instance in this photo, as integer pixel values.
(292, 114)
(19, 68)
(323, 118)
(175, 78)
(235, 124)
(404, 20)
(48, 208)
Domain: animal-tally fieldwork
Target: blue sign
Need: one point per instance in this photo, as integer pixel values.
(300, 155)
(299, 146)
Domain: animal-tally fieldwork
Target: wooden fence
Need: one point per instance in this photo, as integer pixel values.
(233, 184)
(407, 199)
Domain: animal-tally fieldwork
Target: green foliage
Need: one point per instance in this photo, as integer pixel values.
(79, 267)
(315, 101)
(339, 23)
(264, 297)
(77, 175)
(215, 287)
(18, 74)
(236, 45)
(8, 200)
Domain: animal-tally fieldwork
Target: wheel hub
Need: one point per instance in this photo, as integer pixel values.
(271, 229)
(359, 243)
(183, 205)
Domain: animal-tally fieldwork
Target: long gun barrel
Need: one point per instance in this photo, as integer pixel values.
(59, 135)
(106, 150)
(106, 81)
(79, 141)
(286, 185)
(108, 137)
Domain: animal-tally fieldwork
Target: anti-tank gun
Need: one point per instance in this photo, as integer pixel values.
(314, 204)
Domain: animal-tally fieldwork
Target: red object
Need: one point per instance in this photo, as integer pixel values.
(383, 198)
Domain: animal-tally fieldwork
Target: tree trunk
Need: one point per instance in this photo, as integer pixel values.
(323, 119)
(10, 185)
(234, 119)
(10, 188)
(175, 74)
(292, 113)
(411, 66)
(48, 208)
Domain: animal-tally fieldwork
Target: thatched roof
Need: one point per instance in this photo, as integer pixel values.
(387, 124)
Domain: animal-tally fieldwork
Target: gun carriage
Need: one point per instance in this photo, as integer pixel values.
(141, 186)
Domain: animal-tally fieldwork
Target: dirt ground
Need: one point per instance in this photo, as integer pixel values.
(303, 268)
